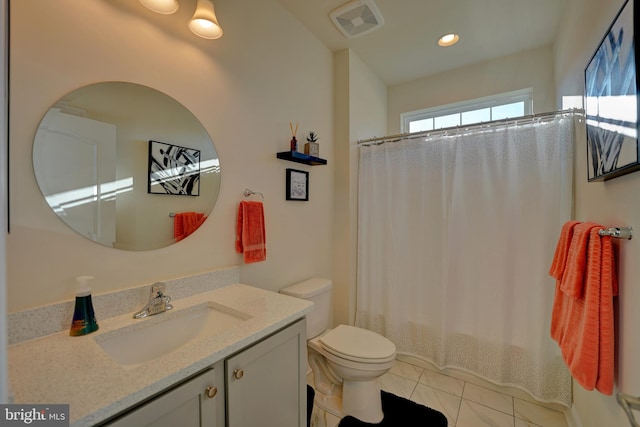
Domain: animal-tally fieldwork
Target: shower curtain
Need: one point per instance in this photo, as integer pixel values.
(456, 234)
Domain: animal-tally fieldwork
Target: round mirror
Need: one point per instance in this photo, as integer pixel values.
(126, 166)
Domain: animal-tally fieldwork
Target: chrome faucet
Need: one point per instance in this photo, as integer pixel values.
(158, 302)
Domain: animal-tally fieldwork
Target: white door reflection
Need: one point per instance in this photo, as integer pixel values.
(75, 168)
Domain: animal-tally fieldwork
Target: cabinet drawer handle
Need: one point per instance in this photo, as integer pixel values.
(238, 373)
(211, 392)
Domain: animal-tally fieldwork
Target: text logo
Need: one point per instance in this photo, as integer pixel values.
(34, 415)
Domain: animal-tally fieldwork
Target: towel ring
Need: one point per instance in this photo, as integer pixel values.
(248, 193)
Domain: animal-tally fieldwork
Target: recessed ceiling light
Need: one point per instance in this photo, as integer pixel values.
(448, 40)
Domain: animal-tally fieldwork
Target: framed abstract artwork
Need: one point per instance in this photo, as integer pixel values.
(173, 169)
(611, 101)
(297, 185)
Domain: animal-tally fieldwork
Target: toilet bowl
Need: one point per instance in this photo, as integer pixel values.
(347, 362)
(356, 359)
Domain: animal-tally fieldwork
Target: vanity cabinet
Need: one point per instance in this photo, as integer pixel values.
(191, 404)
(266, 383)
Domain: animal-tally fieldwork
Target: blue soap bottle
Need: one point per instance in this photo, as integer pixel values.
(84, 318)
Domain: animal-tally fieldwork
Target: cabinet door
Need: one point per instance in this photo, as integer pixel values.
(266, 383)
(192, 404)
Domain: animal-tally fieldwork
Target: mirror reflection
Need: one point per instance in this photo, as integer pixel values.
(126, 166)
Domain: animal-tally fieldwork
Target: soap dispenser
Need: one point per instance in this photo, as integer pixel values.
(84, 319)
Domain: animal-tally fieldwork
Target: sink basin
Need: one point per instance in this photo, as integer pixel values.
(165, 332)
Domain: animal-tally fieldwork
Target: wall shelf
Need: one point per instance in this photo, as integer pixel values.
(295, 156)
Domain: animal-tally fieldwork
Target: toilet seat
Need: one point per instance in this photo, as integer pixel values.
(358, 345)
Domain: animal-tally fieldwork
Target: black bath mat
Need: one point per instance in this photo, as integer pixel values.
(400, 412)
(311, 393)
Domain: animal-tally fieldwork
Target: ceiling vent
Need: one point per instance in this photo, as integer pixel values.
(357, 18)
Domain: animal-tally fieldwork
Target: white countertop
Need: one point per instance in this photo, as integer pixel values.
(62, 369)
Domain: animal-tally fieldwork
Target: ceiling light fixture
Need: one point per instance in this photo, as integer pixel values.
(164, 7)
(448, 40)
(204, 22)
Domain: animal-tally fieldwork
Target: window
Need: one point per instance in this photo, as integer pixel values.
(496, 107)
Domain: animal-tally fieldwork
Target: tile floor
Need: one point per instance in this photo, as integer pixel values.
(465, 400)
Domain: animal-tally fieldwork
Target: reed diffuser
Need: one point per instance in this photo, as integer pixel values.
(294, 141)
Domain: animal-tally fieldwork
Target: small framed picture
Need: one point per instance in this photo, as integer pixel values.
(297, 185)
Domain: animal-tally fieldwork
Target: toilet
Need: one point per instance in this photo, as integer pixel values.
(346, 361)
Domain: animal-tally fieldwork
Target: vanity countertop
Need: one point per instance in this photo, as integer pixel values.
(60, 369)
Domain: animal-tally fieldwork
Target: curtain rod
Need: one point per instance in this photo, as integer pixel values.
(494, 123)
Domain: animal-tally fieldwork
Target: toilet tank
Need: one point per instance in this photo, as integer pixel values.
(318, 291)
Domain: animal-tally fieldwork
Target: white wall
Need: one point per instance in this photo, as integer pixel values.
(245, 88)
(612, 203)
(532, 68)
(360, 113)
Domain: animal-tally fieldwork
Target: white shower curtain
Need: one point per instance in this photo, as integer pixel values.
(456, 235)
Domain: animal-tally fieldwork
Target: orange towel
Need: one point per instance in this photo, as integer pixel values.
(584, 326)
(562, 249)
(573, 277)
(250, 232)
(186, 223)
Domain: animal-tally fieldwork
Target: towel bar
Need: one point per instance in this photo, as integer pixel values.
(629, 403)
(618, 232)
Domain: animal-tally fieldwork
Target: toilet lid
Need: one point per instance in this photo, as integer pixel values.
(355, 343)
